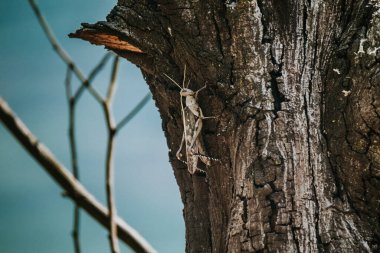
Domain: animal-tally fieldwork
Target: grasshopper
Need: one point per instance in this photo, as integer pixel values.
(192, 117)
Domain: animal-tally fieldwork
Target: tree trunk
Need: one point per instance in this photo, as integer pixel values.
(295, 88)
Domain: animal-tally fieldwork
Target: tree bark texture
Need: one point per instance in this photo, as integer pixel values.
(295, 88)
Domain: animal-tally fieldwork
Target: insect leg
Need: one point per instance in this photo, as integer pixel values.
(197, 130)
(196, 93)
(178, 154)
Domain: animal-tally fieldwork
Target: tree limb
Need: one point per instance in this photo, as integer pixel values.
(74, 156)
(74, 189)
(109, 159)
(62, 53)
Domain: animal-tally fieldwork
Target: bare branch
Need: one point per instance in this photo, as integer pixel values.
(109, 158)
(106, 104)
(68, 78)
(74, 189)
(100, 65)
(112, 85)
(73, 152)
(110, 193)
(76, 225)
(71, 103)
(61, 52)
(134, 111)
(110, 177)
(93, 74)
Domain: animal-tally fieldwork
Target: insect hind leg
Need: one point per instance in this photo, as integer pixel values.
(206, 159)
(178, 154)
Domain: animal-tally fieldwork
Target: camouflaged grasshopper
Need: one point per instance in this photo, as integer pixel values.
(192, 117)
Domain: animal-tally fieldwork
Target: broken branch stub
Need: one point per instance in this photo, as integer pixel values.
(101, 35)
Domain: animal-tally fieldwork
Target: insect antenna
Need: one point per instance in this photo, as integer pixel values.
(184, 78)
(188, 83)
(171, 79)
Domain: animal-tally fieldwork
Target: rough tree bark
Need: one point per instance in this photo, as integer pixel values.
(295, 86)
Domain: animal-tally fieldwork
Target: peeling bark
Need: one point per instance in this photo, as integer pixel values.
(295, 86)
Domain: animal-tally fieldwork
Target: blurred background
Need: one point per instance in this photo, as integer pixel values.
(34, 217)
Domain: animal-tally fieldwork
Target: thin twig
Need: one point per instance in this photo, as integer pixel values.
(100, 65)
(107, 104)
(62, 53)
(112, 86)
(76, 226)
(93, 74)
(69, 75)
(74, 159)
(73, 146)
(134, 111)
(110, 187)
(74, 189)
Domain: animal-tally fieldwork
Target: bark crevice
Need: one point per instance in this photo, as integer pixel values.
(297, 133)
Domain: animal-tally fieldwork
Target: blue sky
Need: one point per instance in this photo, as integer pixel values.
(33, 215)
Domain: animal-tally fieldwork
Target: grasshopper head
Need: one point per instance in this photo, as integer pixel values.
(186, 92)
